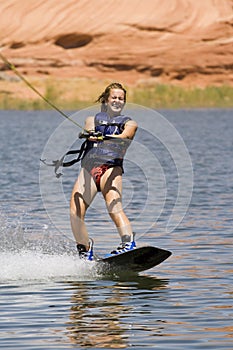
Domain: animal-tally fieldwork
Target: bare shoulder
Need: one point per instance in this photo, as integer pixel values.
(131, 123)
(129, 129)
(90, 123)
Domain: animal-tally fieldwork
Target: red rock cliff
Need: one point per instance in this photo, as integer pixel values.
(188, 42)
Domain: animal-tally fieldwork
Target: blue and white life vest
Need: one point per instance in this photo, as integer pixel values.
(110, 126)
(109, 151)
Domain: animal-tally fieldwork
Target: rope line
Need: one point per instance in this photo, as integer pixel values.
(14, 69)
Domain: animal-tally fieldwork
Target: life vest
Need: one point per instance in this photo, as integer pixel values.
(110, 126)
(109, 151)
(91, 154)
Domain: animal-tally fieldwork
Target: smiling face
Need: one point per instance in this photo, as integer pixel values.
(115, 102)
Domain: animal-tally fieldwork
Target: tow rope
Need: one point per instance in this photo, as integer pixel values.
(60, 162)
(14, 69)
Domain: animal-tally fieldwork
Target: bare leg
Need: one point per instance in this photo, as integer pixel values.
(82, 195)
(111, 187)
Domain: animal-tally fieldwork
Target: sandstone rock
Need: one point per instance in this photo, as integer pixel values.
(184, 42)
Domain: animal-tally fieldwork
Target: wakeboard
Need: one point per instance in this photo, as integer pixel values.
(134, 261)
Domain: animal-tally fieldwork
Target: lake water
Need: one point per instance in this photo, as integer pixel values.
(178, 194)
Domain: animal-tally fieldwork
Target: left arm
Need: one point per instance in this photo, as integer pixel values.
(129, 130)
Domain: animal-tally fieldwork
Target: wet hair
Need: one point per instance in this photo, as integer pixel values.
(105, 95)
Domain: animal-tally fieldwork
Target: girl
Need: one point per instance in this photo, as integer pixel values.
(102, 169)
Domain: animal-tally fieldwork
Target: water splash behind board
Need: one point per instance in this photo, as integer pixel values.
(28, 266)
(38, 253)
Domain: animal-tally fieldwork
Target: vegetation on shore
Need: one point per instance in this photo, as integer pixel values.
(72, 94)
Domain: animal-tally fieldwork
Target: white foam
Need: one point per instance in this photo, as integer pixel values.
(29, 265)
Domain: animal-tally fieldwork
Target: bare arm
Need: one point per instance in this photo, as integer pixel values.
(129, 130)
(90, 124)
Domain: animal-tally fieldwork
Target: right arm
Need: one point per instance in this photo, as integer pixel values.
(90, 124)
(90, 127)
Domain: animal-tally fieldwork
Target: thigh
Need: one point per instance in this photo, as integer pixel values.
(111, 188)
(84, 188)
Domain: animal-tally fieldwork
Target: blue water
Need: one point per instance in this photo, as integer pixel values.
(178, 195)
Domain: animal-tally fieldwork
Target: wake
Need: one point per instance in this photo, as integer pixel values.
(39, 253)
(28, 266)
